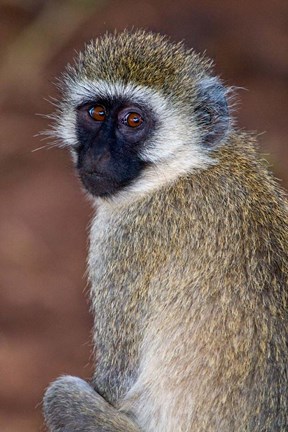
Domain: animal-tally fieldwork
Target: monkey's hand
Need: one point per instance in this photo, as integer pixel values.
(72, 405)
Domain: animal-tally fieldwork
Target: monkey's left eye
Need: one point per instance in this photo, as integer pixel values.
(97, 113)
(133, 119)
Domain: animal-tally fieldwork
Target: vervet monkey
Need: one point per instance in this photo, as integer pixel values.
(188, 260)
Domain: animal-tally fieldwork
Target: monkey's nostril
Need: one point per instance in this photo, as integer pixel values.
(99, 158)
(92, 162)
(104, 157)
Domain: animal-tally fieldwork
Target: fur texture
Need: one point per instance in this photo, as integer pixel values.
(189, 278)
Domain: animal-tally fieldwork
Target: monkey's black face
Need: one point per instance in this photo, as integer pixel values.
(110, 135)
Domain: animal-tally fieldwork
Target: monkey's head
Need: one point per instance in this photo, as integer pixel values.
(139, 111)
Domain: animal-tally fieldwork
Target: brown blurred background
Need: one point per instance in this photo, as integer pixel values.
(44, 320)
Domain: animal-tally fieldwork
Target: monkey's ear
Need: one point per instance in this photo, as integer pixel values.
(212, 113)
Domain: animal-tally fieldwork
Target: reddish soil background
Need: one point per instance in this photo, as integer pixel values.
(44, 319)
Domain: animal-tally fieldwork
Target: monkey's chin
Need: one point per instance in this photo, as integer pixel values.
(99, 185)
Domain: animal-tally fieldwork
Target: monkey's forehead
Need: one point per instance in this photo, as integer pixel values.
(141, 58)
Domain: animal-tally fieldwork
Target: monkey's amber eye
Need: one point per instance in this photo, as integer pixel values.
(97, 113)
(133, 119)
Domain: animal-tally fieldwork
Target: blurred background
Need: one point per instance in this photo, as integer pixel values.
(44, 319)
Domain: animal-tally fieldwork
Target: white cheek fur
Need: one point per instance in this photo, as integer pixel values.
(66, 128)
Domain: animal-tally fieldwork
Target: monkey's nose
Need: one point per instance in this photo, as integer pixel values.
(95, 160)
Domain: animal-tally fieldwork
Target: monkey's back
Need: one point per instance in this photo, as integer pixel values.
(193, 280)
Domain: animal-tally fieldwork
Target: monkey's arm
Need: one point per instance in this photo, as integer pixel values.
(72, 405)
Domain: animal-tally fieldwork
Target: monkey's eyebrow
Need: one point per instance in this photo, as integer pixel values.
(89, 101)
(89, 91)
(80, 98)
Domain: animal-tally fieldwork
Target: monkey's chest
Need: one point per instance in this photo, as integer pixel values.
(120, 302)
(117, 337)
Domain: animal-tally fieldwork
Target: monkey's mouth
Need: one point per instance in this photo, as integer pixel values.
(98, 184)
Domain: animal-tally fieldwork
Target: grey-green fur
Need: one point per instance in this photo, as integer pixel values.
(189, 282)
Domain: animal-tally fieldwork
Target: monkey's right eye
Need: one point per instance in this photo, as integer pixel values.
(97, 113)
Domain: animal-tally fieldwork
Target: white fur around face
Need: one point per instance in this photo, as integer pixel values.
(174, 147)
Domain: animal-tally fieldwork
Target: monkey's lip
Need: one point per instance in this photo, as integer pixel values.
(93, 175)
(98, 184)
